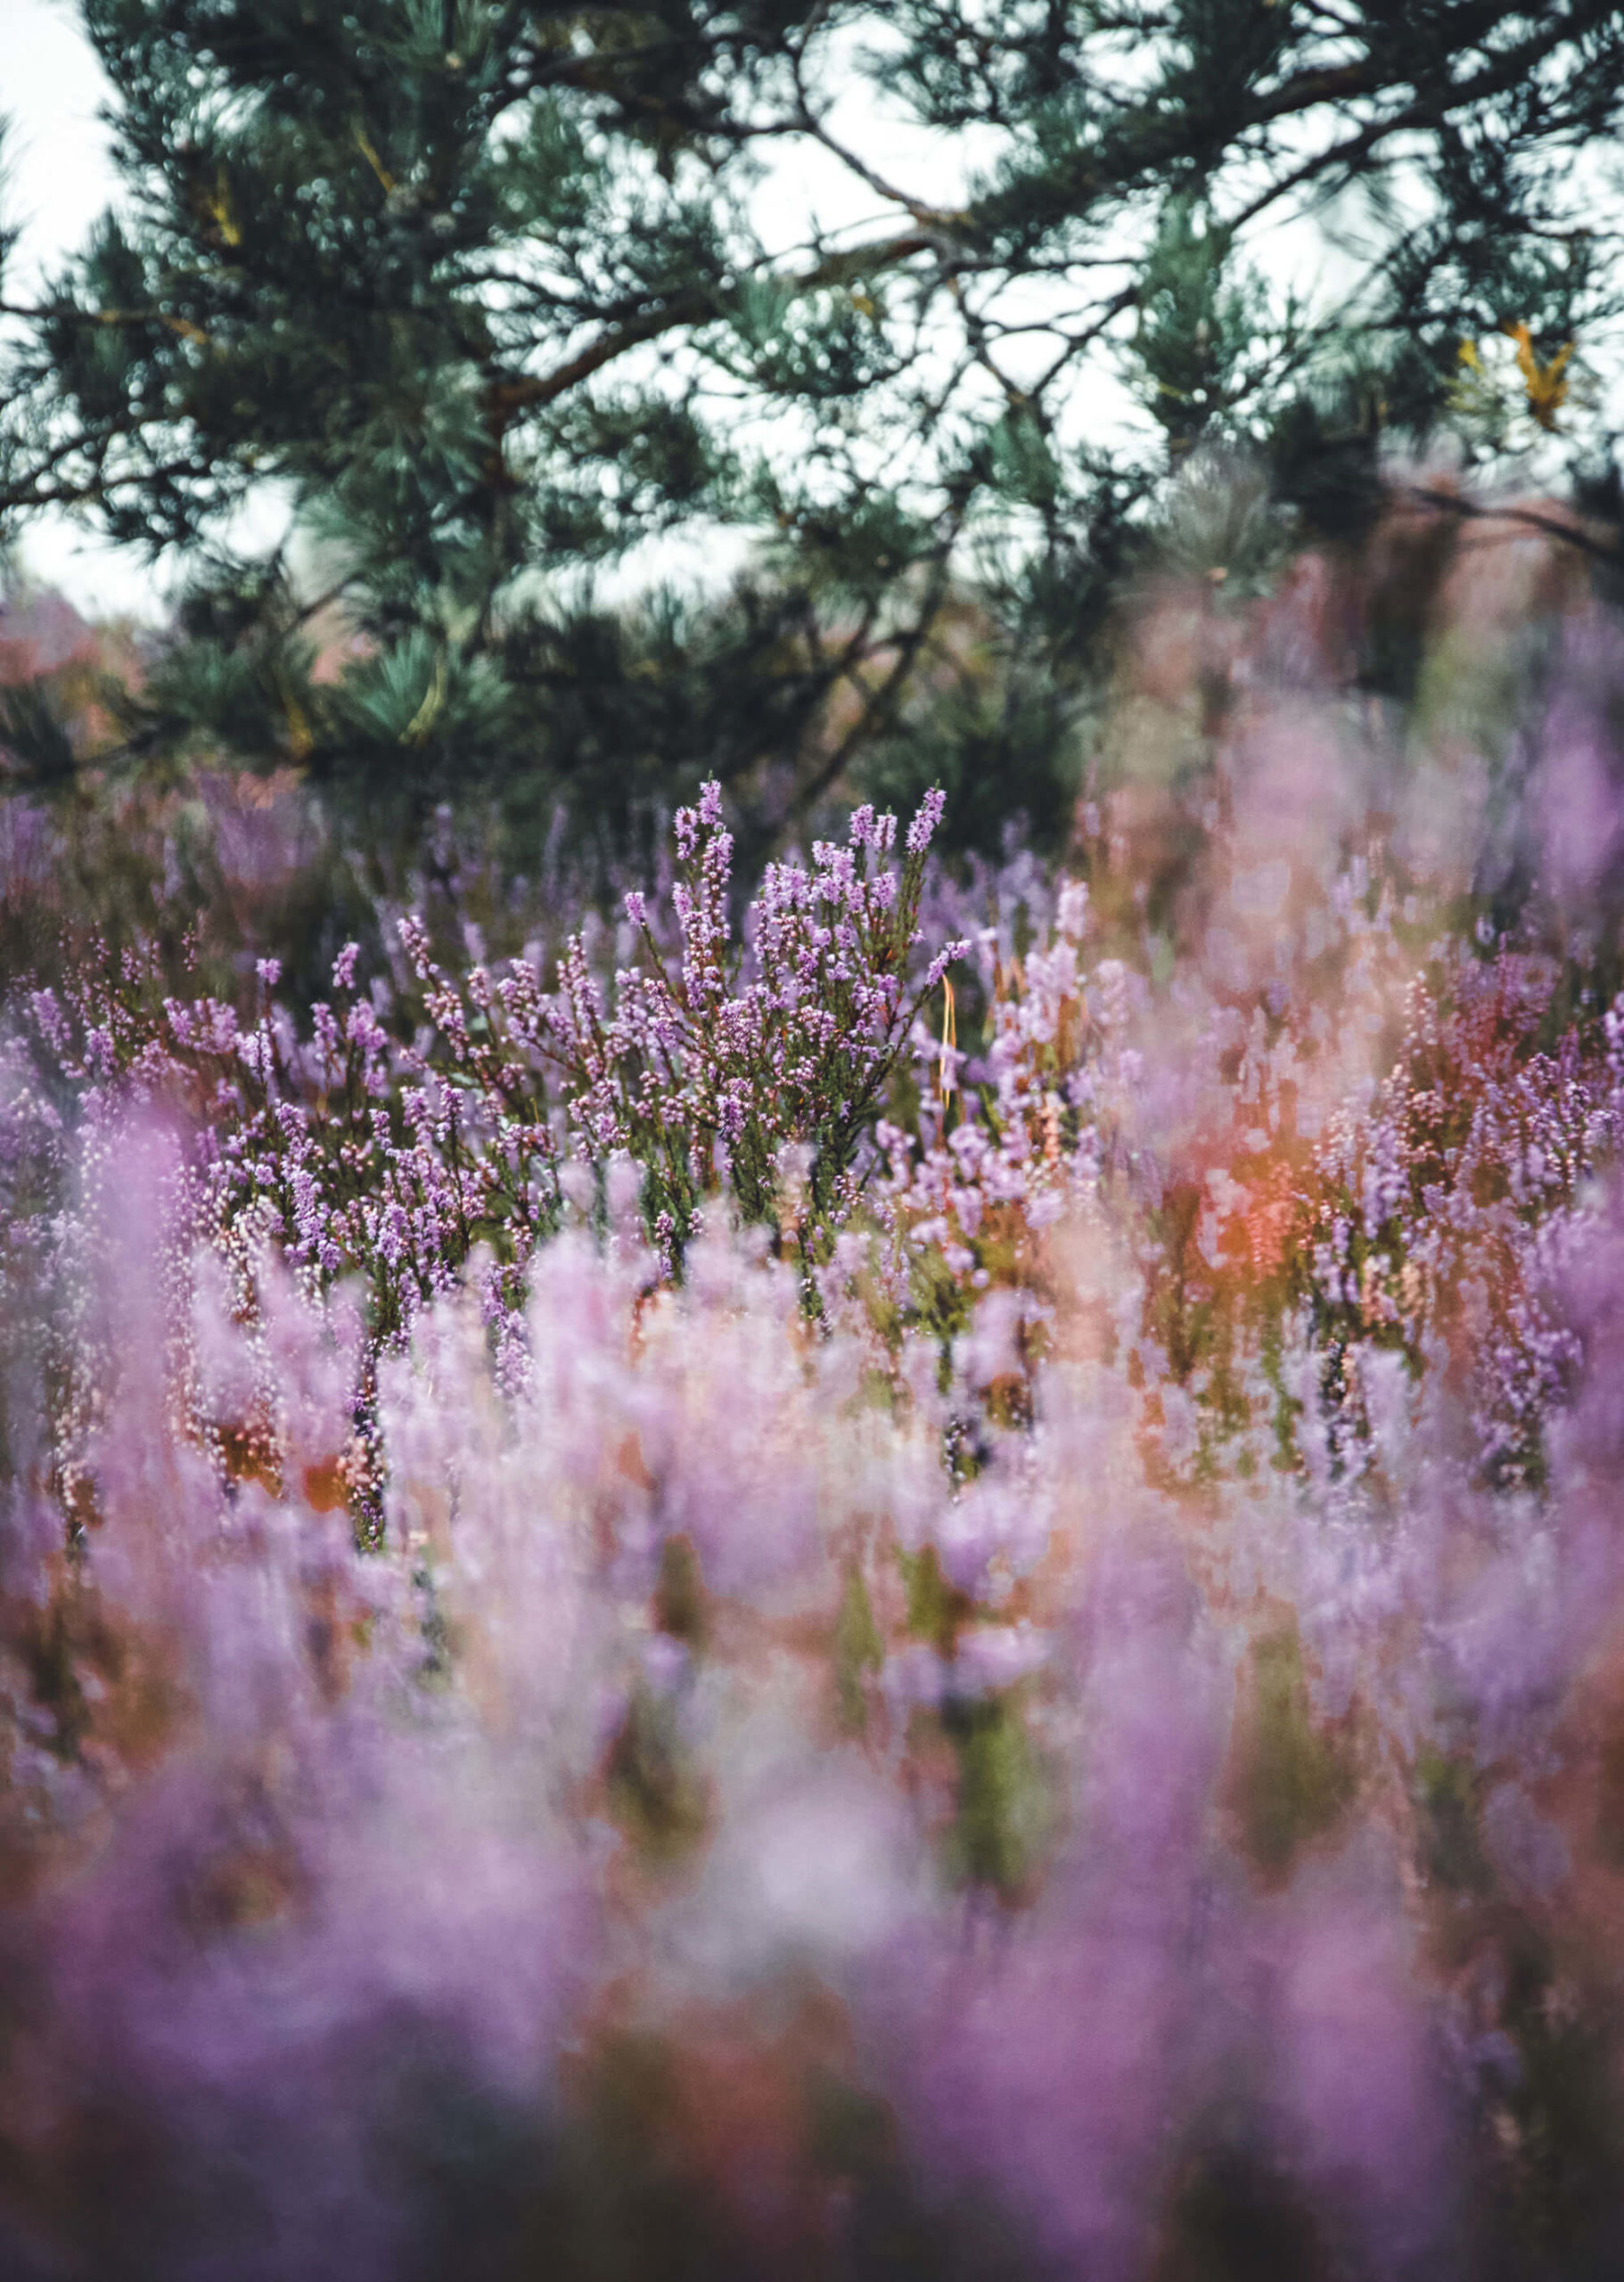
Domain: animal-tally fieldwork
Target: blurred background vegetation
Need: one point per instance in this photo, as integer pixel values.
(816, 395)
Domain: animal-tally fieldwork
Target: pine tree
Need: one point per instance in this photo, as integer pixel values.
(492, 296)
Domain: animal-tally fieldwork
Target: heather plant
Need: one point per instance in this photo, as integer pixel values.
(705, 1817)
(202, 873)
(705, 1067)
(926, 1582)
(414, 1154)
(1444, 1215)
(1320, 1091)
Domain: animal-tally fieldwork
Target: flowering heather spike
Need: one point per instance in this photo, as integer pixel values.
(947, 1077)
(922, 830)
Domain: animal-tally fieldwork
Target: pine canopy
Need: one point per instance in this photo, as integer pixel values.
(489, 299)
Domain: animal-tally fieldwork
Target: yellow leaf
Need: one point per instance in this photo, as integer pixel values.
(371, 156)
(1469, 356)
(219, 202)
(181, 325)
(1547, 389)
(300, 739)
(424, 719)
(944, 1076)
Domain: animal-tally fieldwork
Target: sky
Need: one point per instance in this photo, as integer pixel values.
(59, 179)
(50, 84)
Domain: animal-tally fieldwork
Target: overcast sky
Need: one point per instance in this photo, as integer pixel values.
(51, 85)
(59, 179)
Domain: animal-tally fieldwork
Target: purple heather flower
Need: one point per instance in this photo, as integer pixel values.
(922, 830)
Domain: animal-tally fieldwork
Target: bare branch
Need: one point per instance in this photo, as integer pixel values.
(1571, 534)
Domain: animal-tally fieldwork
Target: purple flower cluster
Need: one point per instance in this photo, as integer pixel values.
(707, 1609)
(1447, 1216)
(441, 1119)
(704, 1068)
(1054, 1868)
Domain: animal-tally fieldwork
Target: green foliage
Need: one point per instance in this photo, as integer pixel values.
(34, 734)
(1005, 1814)
(495, 296)
(859, 1650)
(1447, 1792)
(1294, 1776)
(936, 1609)
(1201, 329)
(655, 1797)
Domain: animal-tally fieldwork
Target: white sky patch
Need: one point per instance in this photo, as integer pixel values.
(60, 179)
